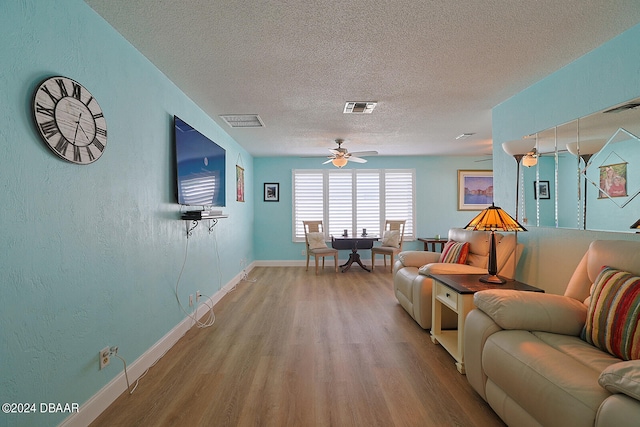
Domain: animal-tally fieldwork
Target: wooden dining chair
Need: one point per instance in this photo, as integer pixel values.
(391, 242)
(316, 245)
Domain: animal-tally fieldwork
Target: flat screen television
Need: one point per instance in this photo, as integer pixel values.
(200, 167)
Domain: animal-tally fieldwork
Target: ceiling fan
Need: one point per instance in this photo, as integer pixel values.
(340, 156)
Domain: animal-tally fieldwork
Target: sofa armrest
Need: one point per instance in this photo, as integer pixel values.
(417, 258)
(622, 377)
(450, 268)
(532, 311)
(478, 328)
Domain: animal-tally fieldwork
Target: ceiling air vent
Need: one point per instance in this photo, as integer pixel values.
(243, 120)
(359, 107)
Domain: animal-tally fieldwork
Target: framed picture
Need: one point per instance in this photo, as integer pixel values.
(239, 184)
(613, 181)
(541, 190)
(475, 189)
(271, 192)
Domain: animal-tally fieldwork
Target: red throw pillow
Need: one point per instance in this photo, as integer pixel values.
(455, 252)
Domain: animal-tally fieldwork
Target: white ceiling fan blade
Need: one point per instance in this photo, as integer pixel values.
(357, 159)
(328, 161)
(364, 153)
(336, 152)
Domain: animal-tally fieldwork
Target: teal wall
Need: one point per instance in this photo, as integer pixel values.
(436, 199)
(91, 254)
(604, 77)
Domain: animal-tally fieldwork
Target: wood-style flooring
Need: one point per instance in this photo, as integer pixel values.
(296, 349)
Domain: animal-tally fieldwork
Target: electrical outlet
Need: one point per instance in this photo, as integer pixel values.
(190, 300)
(303, 252)
(198, 295)
(104, 356)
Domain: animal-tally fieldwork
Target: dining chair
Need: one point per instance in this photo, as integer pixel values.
(391, 242)
(316, 245)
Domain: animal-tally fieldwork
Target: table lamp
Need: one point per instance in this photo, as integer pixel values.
(491, 219)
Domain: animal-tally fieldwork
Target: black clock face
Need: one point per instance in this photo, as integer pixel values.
(70, 120)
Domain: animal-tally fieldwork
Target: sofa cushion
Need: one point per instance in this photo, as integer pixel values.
(417, 258)
(316, 240)
(578, 349)
(614, 313)
(552, 386)
(455, 252)
(623, 377)
(532, 311)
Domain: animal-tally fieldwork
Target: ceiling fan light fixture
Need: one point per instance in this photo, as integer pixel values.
(339, 162)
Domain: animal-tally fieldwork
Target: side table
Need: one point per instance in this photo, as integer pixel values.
(455, 292)
(432, 241)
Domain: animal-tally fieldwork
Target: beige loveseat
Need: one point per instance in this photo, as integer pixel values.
(524, 355)
(411, 281)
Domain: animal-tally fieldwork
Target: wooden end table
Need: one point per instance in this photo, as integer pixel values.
(432, 241)
(455, 291)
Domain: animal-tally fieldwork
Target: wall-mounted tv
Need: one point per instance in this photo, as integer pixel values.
(200, 167)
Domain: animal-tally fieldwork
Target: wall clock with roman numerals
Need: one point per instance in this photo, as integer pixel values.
(70, 120)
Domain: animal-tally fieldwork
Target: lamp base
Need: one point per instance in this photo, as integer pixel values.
(492, 279)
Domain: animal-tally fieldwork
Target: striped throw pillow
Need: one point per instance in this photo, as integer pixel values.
(455, 252)
(613, 314)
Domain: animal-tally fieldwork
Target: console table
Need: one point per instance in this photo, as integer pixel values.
(353, 243)
(455, 292)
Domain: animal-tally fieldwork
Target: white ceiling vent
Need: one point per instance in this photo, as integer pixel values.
(243, 120)
(359, 107)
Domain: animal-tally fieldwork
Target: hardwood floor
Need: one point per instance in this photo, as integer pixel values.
(296, 349)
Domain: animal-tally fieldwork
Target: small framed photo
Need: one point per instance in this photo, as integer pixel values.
(271, 192)
(613, 181)
(541, 190)
(475, 189)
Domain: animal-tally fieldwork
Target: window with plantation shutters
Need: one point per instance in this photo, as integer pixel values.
(353, 199)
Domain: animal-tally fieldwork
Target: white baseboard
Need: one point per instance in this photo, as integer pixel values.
(296, 263)
(100, 401)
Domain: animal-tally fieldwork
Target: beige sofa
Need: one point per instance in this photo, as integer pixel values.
(411, 281)
(524, 356)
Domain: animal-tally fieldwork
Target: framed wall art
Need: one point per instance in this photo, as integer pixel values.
(239, 184)
(613, 181)
(475, 189)
(541, 190)
(271, 192)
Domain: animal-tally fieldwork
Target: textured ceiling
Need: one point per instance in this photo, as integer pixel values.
(436, 68)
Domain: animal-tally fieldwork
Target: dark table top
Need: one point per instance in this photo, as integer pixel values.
(470, 283)
(354, 242)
